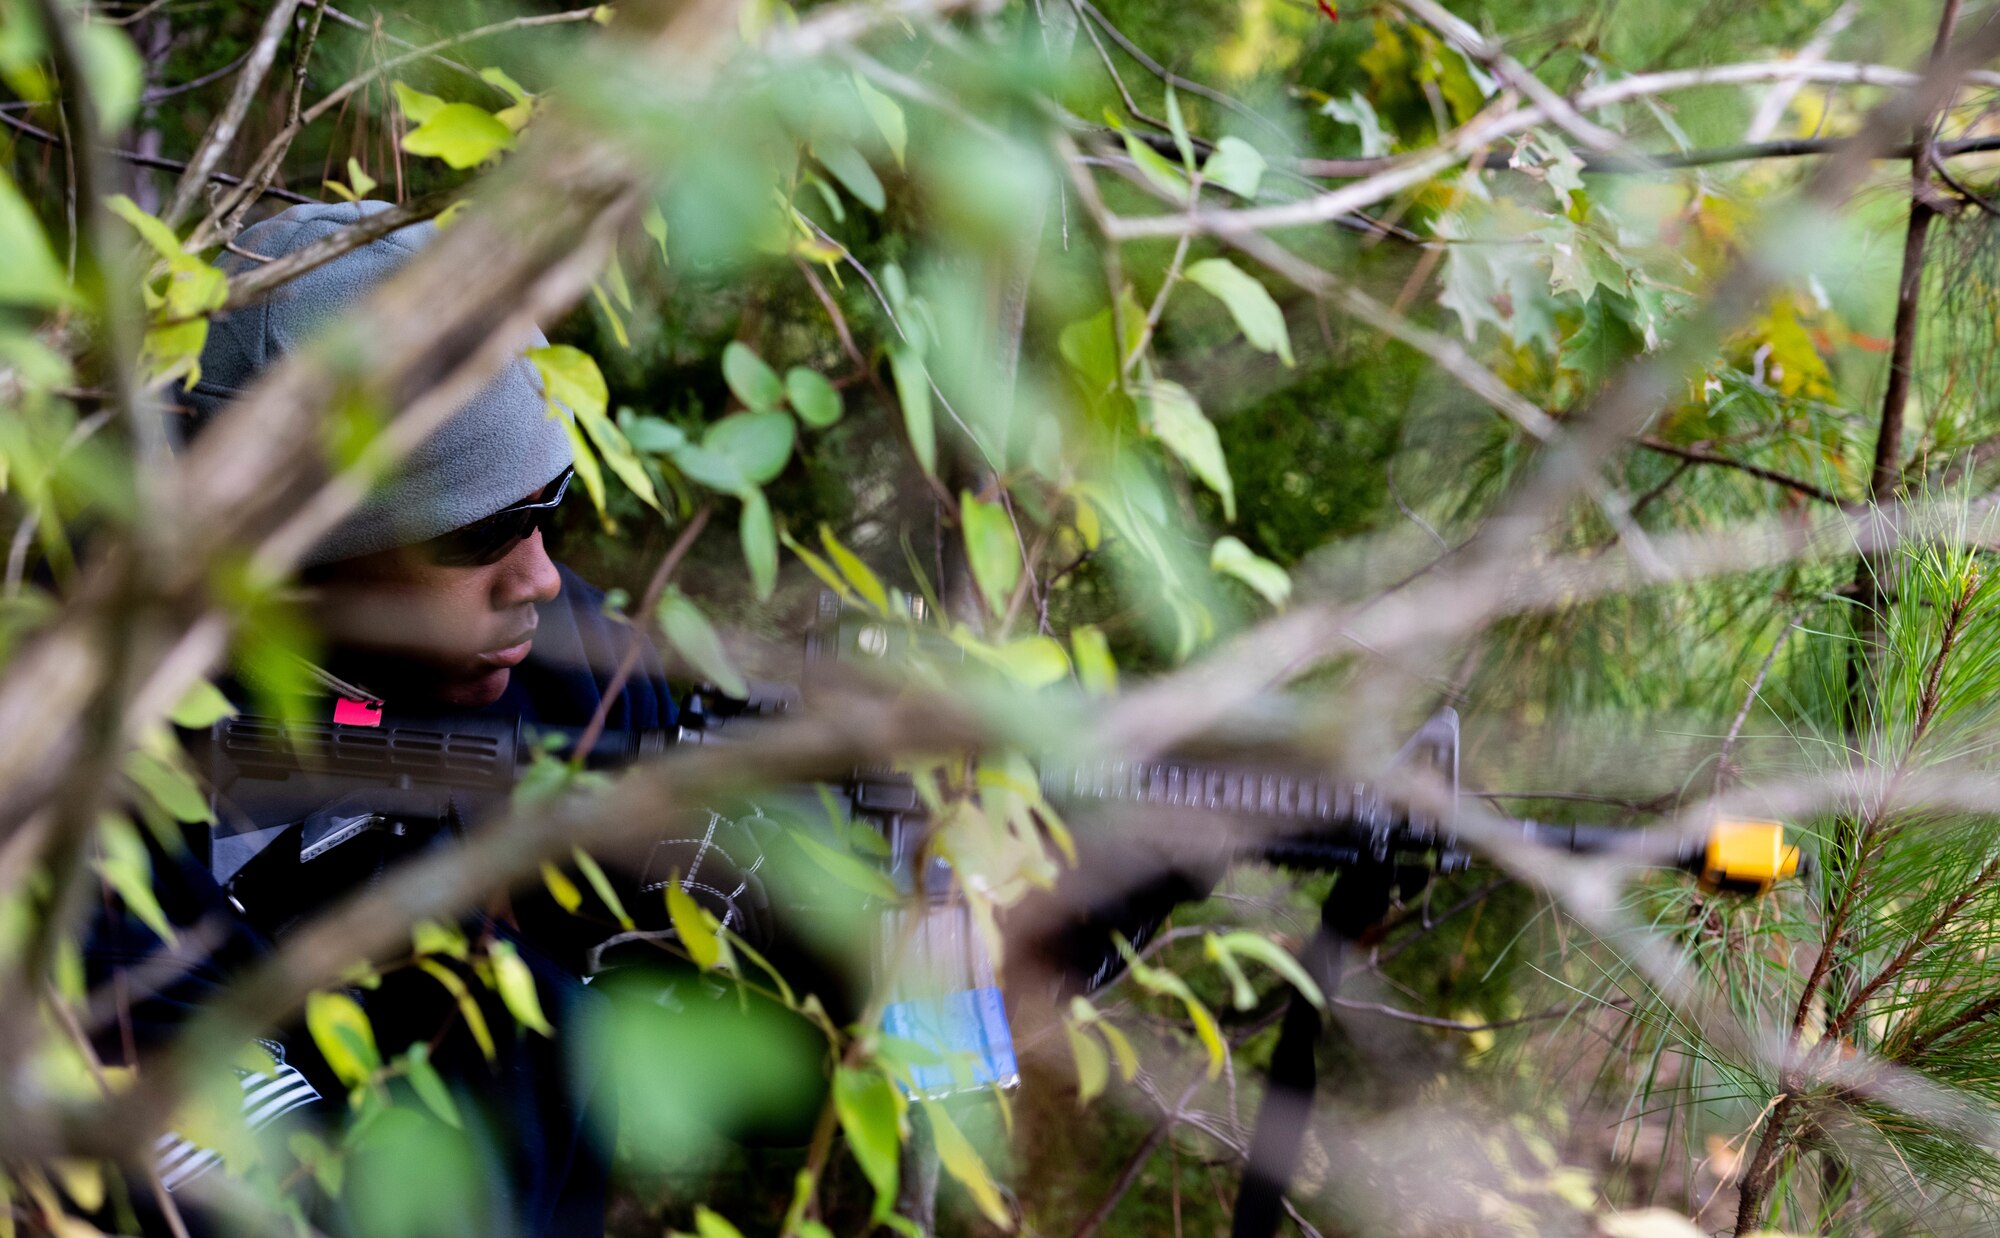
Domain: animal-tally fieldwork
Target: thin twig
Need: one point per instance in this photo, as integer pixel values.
(637, 645)
(138, 159)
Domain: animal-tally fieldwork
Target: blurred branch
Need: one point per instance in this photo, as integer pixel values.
(253, 284)
(1384, 180)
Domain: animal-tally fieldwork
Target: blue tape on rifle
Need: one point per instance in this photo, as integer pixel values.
(968, 1030)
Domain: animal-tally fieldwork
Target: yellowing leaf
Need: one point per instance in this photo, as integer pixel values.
(601, 885)
(1093, 1069)
(416, 105)
(462, 135)
(963, 1162)
(856, 573)
(341, 1030)
(1094, 667)
(468, 1008)
(695, 927)
(711, 1224)
(561, 888)
(517, 987)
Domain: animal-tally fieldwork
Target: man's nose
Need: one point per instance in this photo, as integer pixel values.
(526, 576)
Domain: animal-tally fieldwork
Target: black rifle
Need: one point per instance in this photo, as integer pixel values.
(290, 799)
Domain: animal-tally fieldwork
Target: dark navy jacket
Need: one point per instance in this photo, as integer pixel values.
(540, 1138)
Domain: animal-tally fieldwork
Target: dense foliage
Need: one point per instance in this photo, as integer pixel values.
(1254, 374)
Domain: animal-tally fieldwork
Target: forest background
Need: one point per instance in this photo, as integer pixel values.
(1620, 375)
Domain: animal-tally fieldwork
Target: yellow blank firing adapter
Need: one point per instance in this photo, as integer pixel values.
(1748, 856)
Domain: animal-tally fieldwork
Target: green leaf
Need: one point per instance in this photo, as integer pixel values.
(711, 1224)
(1177, 125)
(871, 1114)
(760, 544)
(1357, 111)
(887, 115)
(462, 135)
(1093, 1068)
(116, 75)
(852, 171)
(855, 572)
(1235, 165)
(1249, 302)
(30, 275)
(711, 469)
(655, 224)
(517, 987)
(1176, 420)
(1275, 957)
(814, 399)
(169, 787)
(202, 707)
(1231, 557)
(1152, 165)
(653, 435)
(341, 1030)
(754, 382)
(1240, 992)
(758, 443)
(690, 632)
(846, 869)
(1094, 667)
(601, 886)
(692, 923)
(128, 869)
(913, 389)
(415, 104)
(962, 1162)
(991, 549)
(1033, 661)
(429, 1085)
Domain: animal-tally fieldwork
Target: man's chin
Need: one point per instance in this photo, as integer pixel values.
(477, 690)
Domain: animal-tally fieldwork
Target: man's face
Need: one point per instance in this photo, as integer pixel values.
(417, 630)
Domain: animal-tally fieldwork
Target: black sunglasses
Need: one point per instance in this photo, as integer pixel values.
(488, 541)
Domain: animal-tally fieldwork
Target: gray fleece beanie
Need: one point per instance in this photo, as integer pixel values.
(497, 450)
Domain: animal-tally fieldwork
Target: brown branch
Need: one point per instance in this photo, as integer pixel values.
(647, 605)
(138, 159)
(1696, 455)
(221, 134)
